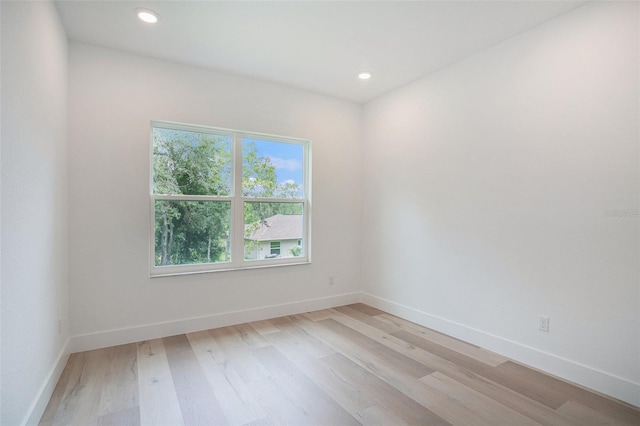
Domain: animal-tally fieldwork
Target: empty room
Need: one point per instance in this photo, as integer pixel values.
(320, 212)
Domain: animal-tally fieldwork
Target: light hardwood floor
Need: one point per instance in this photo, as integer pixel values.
(349, 365)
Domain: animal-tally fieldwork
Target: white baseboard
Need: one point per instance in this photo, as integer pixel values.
(591, 378)
(122, 336)
(39, 404)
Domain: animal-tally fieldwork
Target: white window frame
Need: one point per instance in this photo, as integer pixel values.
(237, 204)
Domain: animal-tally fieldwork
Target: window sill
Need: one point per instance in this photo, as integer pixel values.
(159, 274)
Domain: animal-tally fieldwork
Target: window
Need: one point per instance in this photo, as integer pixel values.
(223, 199)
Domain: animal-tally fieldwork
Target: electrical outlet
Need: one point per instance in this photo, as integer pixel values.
(543, 324)
(332, 280)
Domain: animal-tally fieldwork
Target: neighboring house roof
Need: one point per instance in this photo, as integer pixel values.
(279, 227)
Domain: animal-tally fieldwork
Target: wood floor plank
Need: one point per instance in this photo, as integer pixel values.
(527, 407)
(499, 393)
(307, 394)
(349, 395)
(250, 336)
(301, 337)
(377, 416)
(388, 340)
(374, 350)
(387, 369)
(120, 391)
(535, 390)
(366, 309)
(465, 348)
(281, 408)
(366, 319)
(238, 354)
(587, 416)
(318, 315)
(198, 403)
(607, 406)
(264, 327)
(408, 409)
(458, 414)
(484, 408)
(82, 396)
(159, 403)
(351, 386)
(236, 401)
(126, 417)
(265, 421)
(58, 392)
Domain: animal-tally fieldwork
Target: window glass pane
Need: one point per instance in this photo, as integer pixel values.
(191, 163)
(272, 169)
(273, 230)
(192, 232)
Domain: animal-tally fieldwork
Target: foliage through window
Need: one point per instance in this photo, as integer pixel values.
(225, 199)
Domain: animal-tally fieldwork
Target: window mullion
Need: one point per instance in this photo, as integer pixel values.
(275, 200)
(237, 221)
(183, 197)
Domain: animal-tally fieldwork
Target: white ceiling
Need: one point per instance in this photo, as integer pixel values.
(313, 45)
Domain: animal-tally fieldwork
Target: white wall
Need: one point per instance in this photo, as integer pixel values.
(34, 265)
(113, 97)
(486, 185)
(485, 191)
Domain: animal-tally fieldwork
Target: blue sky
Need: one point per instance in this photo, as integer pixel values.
(286, 157)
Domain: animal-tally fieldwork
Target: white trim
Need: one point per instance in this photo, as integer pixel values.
(600, 381)
(191, 197)
(237, 209)
(263, 263)
(272, 200)
(39, 404)
(122, 336)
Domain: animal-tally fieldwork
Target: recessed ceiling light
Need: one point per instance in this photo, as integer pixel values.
(146, 15)
(364, 75)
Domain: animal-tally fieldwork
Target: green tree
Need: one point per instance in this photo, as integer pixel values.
(259, 179)
(191, 163)
(258, 174)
